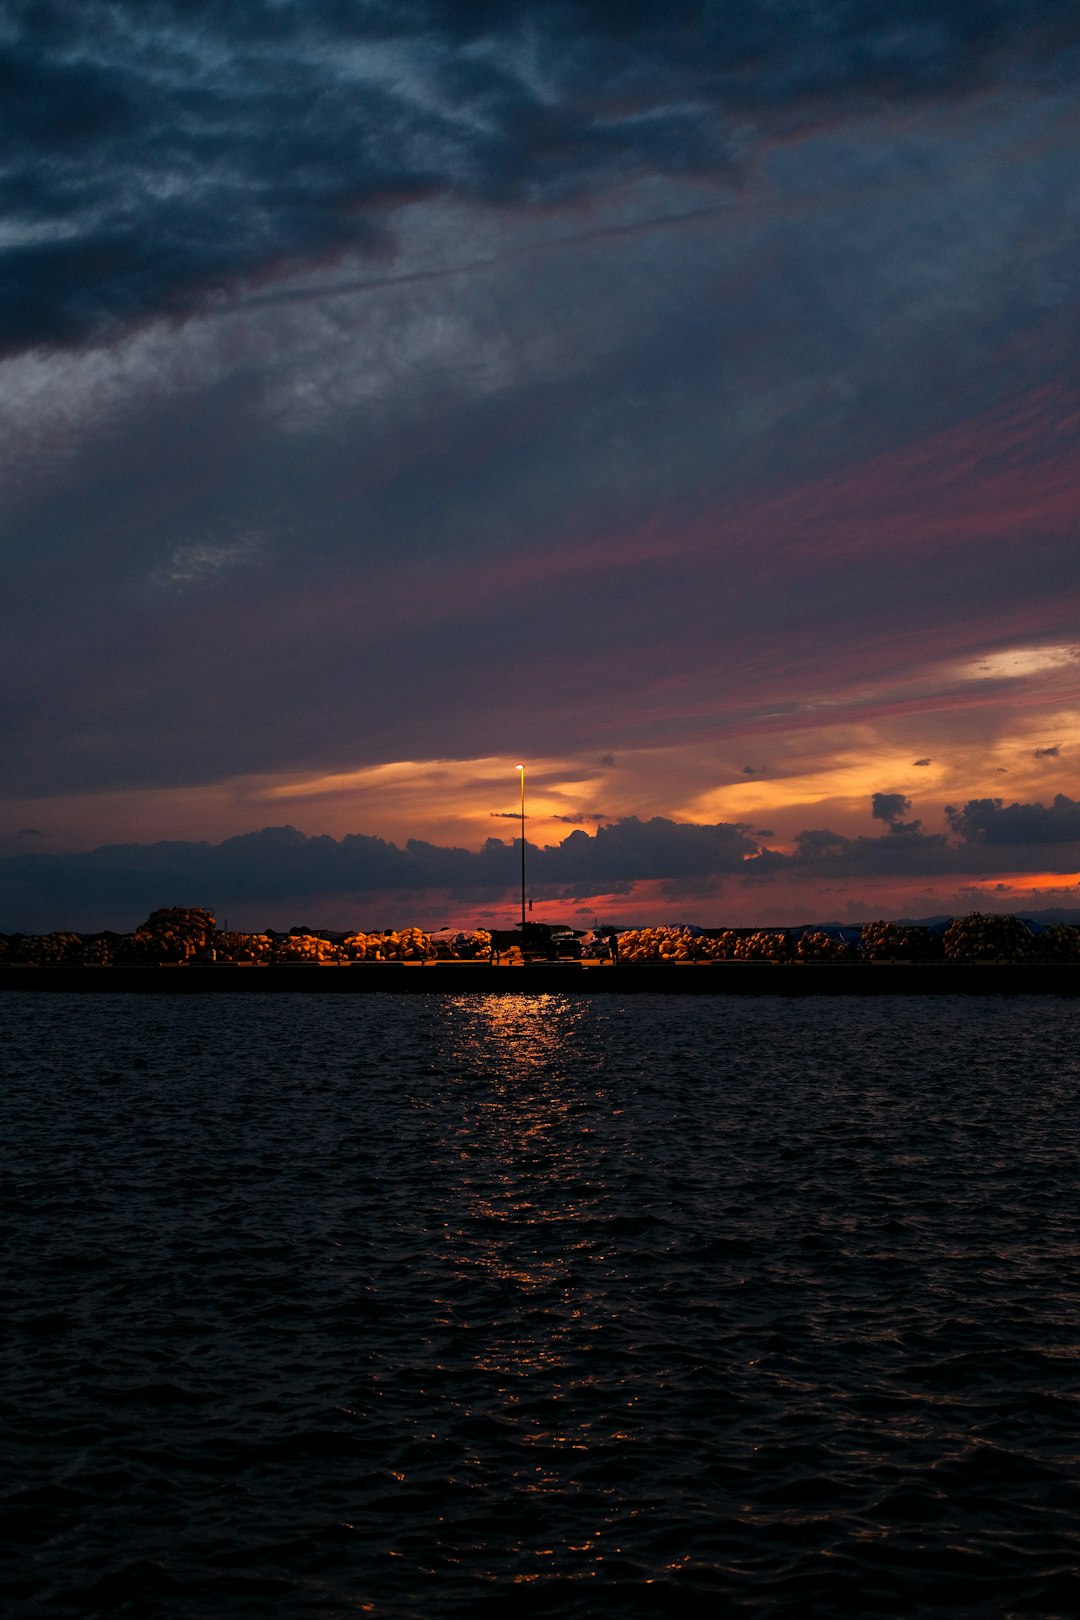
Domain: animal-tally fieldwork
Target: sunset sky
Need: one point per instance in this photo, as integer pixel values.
(682, 399)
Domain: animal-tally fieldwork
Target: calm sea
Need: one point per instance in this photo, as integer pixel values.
(534, 1306)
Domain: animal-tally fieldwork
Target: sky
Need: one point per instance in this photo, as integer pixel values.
(679, 399)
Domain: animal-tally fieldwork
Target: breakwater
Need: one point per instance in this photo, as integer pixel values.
(571, 978)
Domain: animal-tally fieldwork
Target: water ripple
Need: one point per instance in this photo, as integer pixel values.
(464, 1306)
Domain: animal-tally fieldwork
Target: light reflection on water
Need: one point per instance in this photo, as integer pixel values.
(534, 1219)
(530, 1198)
(447, 1308)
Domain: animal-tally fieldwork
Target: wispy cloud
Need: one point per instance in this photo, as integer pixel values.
(682, 397)
(202, 560)
(321, 120)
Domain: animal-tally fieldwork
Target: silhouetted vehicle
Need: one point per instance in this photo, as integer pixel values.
(549, 942)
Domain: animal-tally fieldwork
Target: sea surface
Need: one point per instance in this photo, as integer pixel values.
(523, 1306)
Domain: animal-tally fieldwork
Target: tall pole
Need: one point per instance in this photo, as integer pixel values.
(521, 769)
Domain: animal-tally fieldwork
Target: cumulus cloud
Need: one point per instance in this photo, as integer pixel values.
(987, 837)
(821, 852)
(279, 863)
(891, 808)
(115, 885)
(991, 821)
(631, 850)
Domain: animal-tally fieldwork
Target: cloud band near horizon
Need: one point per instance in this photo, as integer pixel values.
(115, 884)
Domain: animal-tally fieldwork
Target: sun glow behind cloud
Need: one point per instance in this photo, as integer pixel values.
(1018, 662)
(472, 799)
(818, 764)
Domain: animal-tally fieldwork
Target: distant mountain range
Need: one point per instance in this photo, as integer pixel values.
(1043, 919)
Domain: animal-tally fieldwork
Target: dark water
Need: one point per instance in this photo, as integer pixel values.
(539, 1307)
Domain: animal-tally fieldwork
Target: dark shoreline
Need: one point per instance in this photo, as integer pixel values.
(574, 978)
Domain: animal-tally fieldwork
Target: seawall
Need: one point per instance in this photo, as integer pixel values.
(573, 978)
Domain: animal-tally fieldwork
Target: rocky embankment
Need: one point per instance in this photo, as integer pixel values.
(973, 954)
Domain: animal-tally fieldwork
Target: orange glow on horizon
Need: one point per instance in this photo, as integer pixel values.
(1026, 882)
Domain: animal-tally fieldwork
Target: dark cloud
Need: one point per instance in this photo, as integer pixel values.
(922, 762)
(824, 854)
(106, 886)
(158, 153)
(305, 655)
(1048, 753)
(991, 821)
(633, 851)
(116, 885)
(891, 808)
(1021, 832)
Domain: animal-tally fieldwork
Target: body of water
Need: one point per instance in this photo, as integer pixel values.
(442, 1307)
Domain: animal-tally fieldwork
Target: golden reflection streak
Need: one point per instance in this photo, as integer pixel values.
(523, 1132)
(527, 1114)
